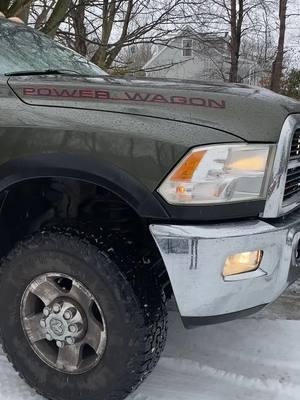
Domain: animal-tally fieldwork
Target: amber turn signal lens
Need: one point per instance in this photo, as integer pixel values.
(242, 262)
(186, 170)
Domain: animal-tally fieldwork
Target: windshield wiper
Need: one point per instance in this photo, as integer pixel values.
(44, 72)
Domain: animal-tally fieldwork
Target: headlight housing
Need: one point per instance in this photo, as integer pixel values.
(219, 174)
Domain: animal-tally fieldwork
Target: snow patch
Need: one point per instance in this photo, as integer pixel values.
(250, 359)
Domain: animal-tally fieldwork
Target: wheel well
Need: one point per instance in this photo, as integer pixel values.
(40, 203)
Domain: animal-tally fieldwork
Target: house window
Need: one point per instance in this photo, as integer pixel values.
(187, 47)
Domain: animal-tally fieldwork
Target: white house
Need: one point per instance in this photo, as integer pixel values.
(198, 56)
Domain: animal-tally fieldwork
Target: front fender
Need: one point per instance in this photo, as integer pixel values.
(87, 169)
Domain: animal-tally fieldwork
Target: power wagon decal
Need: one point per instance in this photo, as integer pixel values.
(106, 95)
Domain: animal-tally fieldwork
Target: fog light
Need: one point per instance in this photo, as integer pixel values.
(242, 262)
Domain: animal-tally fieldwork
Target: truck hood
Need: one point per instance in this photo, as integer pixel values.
(251, 113)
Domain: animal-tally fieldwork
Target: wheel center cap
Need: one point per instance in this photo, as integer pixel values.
(57, 326)
(63, 321)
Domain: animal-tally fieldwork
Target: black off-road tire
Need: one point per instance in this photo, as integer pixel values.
(129, 295)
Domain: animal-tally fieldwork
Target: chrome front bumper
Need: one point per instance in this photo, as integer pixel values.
(195, 255)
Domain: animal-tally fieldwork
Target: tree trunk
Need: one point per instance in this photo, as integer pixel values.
(78, 16)
(57, 17)
(41, 18)
(233, 43)
(277, 66)
(105, 54)
(109, 13)
(236, 22)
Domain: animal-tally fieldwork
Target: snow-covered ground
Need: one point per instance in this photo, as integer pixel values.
(251, 359)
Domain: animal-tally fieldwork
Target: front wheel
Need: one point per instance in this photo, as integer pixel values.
(78, 320)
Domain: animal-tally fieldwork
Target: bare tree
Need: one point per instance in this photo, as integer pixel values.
(236, 16)
(277, 66)
(102, 29)
(242, 19)
(99, 29)
(128, 22)
(57, 16)
(52, 13)
(41, 11)
(77, 14)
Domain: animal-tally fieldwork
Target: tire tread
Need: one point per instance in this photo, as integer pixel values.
(150, 319)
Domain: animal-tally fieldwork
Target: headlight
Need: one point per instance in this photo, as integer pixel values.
(218, 174)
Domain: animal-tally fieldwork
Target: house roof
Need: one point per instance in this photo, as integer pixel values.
(187, 31)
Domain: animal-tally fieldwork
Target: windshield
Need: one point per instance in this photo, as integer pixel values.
(24, 49)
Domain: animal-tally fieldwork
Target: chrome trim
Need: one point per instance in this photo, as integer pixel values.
(274, 201)
(194, 257)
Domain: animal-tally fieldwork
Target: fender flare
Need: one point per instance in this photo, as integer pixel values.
(85, 168)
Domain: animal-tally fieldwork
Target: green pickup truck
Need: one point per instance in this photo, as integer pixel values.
(116, 194)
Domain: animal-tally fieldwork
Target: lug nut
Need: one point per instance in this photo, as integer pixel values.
(46, 311)
(48, 337)
(60, 344)
(43, 323)
(70, 340)
(56, 308)
(69, 313)
(75, 328)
